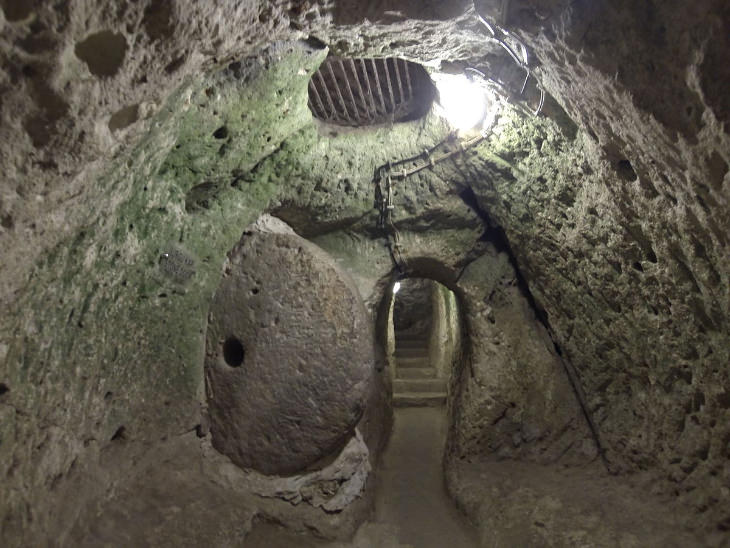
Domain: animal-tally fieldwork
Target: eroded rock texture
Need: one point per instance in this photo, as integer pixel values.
(513, 398)
(412, 309)
(624, 242)
(289, 353)
(140, 138)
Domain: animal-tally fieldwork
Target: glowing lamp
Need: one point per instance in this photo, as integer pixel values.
(463, 102)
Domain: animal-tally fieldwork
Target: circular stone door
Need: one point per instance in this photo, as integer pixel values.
(289, 353)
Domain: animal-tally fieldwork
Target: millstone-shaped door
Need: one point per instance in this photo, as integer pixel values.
(289, 353)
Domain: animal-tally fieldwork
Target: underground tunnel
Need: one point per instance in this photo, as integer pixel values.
(364, 274)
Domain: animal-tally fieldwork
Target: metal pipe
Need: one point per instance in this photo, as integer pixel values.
(542, 101)
(339, 93)
(313, 88)
(501, 42)
(377, 87)
(327, 94)
(349, 90)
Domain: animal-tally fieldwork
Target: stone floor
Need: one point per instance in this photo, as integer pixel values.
(411, 499)
(412, 509)
(416, 380)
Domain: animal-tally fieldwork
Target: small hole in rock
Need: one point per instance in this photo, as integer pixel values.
(4, 389)
(102, 52)
(637, 266)
(158, 20)
(626, 171)
(221, 132)
(17, 10)
(108, 395)
(124, 117)
(233, 352)
(120, 434)
(723, 400)
(175, 65)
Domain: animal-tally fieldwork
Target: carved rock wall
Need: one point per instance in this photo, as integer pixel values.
(618, 219)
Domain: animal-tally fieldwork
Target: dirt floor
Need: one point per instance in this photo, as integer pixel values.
(412, 509)
(411, 498)
(514, 503)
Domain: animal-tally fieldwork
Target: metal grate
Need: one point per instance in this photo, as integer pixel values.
(360, 92)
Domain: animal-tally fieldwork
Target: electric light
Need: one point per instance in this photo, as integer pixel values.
(464, 102)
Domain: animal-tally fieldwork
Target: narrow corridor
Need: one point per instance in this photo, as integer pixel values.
(411, 498)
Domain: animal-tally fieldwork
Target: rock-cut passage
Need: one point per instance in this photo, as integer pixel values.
(426, 342)
(411, 501)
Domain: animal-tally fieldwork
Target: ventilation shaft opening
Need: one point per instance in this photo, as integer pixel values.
(369, 92)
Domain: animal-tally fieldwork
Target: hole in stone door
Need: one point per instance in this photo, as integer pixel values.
(424, 341)
(233, 352)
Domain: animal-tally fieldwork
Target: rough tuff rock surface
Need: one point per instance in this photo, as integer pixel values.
(622, 235)
(289, 354)
(186, 493)
(533, 505)
(614, 204)
(412, 309)
(512, 396)
(333, 488)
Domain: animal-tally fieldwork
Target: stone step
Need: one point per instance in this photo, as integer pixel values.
(419, 399)
(411, 343)
(411, 352)
(412, 362)
(401, 386)
(415, 373)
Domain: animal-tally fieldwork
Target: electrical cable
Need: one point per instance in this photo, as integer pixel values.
(500, 35)
(386, 175)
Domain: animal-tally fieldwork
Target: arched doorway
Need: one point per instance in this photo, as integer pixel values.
(424, 341)
(424, 345)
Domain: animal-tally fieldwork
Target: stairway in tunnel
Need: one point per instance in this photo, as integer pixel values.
(416, 379)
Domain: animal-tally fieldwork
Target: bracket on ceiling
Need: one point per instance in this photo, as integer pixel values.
(518, 53)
